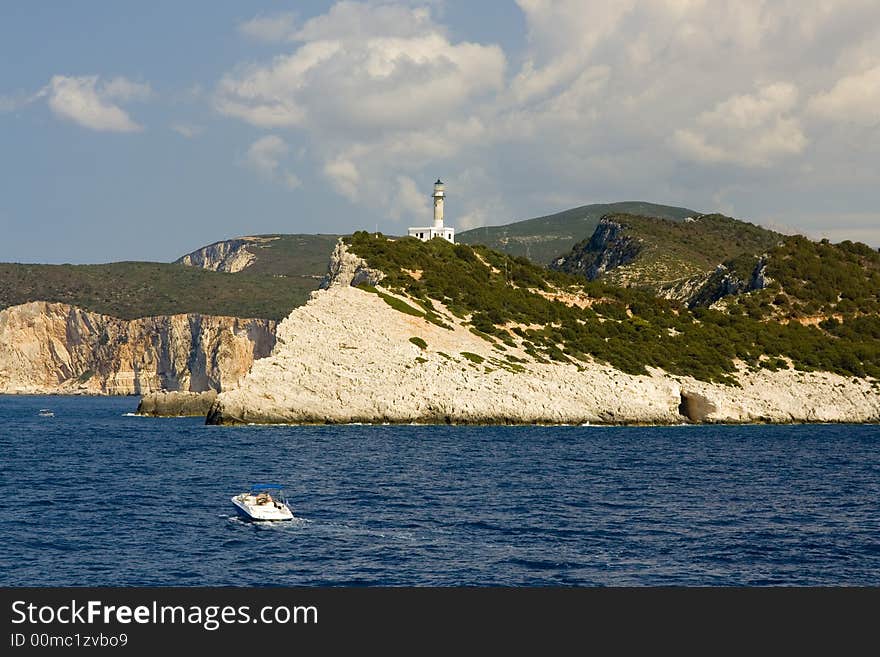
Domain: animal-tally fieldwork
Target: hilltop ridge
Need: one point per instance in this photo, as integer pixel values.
(291, 255)
(628, 249)
(718, 261)
(542, 239)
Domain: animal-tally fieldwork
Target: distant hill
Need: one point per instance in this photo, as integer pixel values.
(654, 253)
(265, 277)
(294, 255)
(542, 239)
(129, 290)
(754, 270)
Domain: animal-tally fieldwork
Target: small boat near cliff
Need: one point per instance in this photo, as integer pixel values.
(45, 412)
(263, 502)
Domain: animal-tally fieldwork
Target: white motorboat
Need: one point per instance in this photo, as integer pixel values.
(263, 502)
(45, 412)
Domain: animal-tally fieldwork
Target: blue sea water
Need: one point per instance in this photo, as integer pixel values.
(95, 497)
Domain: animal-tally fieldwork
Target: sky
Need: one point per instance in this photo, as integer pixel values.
(141, 131)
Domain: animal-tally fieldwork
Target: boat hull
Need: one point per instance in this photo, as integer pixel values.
(262, 512)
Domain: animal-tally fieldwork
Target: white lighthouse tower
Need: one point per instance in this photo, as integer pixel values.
(425, 233)
(438, 196)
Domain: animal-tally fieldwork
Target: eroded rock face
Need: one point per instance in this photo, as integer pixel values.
(723, 282)
(346, 269)
(346, 356)
(608, 248)
(229, 255)
(57, 348)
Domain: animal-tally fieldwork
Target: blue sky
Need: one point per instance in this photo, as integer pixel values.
(144, 130)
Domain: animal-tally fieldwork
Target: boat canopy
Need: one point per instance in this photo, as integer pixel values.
(267, 487)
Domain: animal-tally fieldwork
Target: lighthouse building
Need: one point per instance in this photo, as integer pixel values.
(425, 233)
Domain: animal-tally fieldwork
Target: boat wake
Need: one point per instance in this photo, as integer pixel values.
(293, 523)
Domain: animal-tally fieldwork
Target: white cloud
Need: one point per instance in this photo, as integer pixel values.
(194, 93)
(563, 35)
(380, 83)
(14, 102)
(378, 89)
(265, 156)
(86, 102)
(123, 90)
(349, 21)
(272, 96)
(410, 201)
(270, 29)
(748, 111)
(344, 176)
(620, 99)
(291, 180)
(855, 98)
(187, 130)
(748, 129)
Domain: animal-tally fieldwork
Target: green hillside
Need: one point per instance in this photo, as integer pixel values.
(761, 273)
(652, 252)
(809, 279)
(286, 270)
(142, 289)
(542, 239)
(505, 298)
(288, 255)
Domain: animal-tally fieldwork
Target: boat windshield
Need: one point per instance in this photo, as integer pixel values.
(267, 492)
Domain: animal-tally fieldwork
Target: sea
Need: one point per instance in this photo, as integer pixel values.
(95, 496)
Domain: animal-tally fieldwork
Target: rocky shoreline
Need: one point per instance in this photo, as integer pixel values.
(347, 356)
(176, 404)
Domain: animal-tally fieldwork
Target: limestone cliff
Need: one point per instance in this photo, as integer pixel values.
(347, 269)
(349, 356)
(608, 248)
(58, 348)
(726, 281)
(229, 255)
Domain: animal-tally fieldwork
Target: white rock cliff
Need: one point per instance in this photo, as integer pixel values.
(230, 256)
(58, 348)
(346, 356)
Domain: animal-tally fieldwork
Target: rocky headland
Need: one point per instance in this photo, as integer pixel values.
(351, 355)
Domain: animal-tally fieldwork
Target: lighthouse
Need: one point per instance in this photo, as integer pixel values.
(426, 233)
(438, 196)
